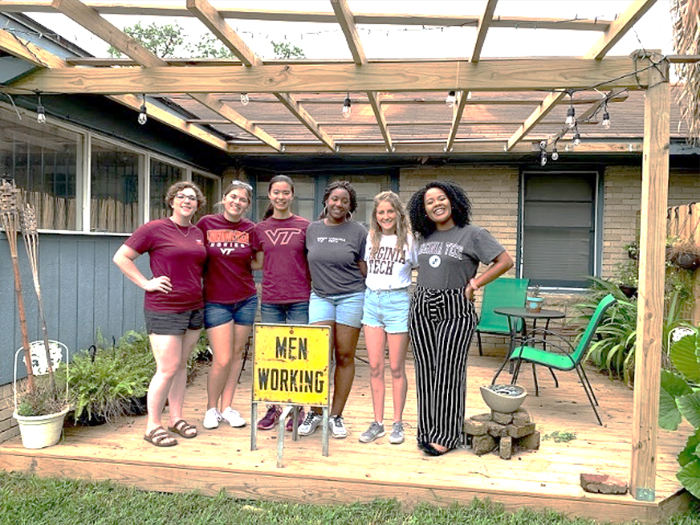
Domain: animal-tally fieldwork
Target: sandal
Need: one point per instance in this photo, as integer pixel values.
(160, 438)
(184, 429)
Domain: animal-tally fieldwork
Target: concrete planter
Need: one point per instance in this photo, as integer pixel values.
(41, 431)
(501, 402)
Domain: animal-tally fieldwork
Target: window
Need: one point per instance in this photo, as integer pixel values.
(114, 189)
(43, 161)
(558, 228)
(210, 189)
(163, 176)
(304, 190)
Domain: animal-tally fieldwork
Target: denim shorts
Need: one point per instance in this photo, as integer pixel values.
(343, 309)
(290, 313)
(169, 323)
(387, 309)
(242, 312)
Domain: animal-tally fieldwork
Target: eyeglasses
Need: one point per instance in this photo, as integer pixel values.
(182, 197)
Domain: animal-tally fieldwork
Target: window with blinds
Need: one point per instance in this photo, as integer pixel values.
(558, 228)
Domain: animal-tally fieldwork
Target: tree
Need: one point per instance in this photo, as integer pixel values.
(168, 41)
(285, 50)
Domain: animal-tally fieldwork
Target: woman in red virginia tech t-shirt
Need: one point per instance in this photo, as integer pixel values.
(230, 299)
(173, 304)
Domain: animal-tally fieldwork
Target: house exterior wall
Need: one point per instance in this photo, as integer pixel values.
(82, 290)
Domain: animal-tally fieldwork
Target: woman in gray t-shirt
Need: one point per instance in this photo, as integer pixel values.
(443, 318)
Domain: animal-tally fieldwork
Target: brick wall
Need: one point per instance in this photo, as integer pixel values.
(8, 426)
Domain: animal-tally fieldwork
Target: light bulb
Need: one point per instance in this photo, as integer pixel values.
(143, 118)
(555, 154)
(451, 99)
(40, 114)
(577, 138)
(570, 117)
(543, 158)
(347, 108)
(606, 120)
(245, 99)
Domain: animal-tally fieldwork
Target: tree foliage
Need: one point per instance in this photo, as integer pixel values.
(285, 50)
(168, 41)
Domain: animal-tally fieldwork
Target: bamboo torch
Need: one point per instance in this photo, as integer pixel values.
(31, 244)
(9, 216)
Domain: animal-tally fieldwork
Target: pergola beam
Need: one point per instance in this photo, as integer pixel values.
(93, 22)
(211, 18)
(482, 30)
(616, 31)
(487, 75)
(347, 24)
(40, 57)
(163, 9)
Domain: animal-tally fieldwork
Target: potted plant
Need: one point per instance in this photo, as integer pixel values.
(534, 301)
(40, 415)
(685, 254)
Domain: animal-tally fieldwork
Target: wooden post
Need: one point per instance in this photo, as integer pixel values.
(695, 238)
(651, 280)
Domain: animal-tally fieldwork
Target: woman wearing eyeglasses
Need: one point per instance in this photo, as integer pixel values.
(173, 304)
(230, 299)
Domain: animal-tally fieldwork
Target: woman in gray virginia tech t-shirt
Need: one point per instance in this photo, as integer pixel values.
(443, 318)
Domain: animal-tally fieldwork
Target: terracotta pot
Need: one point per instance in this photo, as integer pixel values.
(534, 304)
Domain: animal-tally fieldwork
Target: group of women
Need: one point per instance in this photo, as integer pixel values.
(328, 272)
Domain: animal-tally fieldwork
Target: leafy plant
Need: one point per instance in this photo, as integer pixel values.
(614, 352)
(680, 398)
(560, 437)
(43, 401)
(286, 50)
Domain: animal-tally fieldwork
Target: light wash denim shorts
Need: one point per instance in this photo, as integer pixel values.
(387, 309)
(343, 309)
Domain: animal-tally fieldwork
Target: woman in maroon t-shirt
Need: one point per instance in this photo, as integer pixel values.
(281, 254)
(230, 299)
(173, 304)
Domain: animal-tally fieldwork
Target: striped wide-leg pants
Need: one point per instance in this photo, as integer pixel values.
(442, 323)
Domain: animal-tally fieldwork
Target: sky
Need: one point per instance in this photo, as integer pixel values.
(325, 41)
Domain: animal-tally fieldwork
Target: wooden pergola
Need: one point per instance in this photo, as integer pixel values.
(294, 87)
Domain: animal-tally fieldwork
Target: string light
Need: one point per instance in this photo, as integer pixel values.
(577, 137)
(143, 114)
(245, 99)
(555, 154)
(451, 99)
(347, 107)
(543, 153)
(570, 113)
(606, 117)
(40, 111)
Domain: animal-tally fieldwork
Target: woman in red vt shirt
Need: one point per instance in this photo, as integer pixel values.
(231, 299)
(173, 304)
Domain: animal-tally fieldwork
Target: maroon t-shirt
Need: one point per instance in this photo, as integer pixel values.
(175, 252)
(286, 277)
(228, 278)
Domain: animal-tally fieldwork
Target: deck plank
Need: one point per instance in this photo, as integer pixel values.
(221, 459)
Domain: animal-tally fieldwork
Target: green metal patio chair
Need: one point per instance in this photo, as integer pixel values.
(504, 292)
(563, 358)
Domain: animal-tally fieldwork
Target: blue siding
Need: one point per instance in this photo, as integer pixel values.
(82, 290)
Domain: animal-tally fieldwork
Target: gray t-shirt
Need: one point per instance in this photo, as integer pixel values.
(449, 259)
(333, 254)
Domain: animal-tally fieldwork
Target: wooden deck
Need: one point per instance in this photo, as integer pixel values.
(221, 458)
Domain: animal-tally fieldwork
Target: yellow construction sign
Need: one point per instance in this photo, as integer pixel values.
(291, 364)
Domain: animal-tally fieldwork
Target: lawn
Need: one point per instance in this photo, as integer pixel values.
(32, 500)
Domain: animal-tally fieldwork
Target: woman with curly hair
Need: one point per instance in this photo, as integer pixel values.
(173, 303)
(336, 253)
(443, 317)
(390, 258)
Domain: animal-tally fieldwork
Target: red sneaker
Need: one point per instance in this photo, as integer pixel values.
(290, 423)
(270, 419)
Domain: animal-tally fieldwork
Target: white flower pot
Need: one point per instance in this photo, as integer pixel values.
(41, 431)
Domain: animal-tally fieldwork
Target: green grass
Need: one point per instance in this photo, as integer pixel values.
(26, 500)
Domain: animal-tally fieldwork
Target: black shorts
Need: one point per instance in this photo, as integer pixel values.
(170, 323)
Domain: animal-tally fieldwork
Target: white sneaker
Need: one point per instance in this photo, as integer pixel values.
(211, 419)
(310, 424)
(337, 427)
(233, 417)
